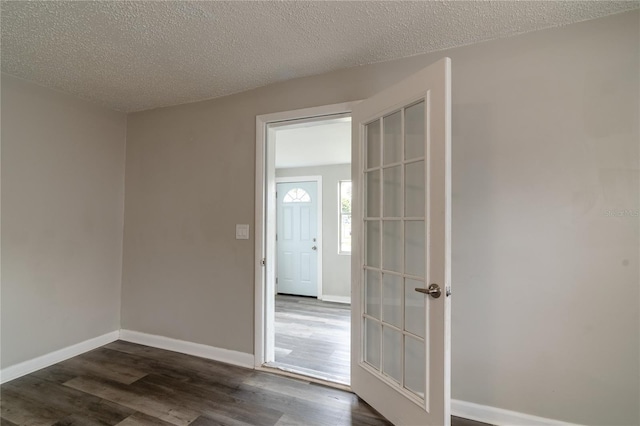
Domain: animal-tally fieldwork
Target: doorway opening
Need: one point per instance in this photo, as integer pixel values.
(303, 305)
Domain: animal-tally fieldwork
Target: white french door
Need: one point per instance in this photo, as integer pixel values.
(401, 262)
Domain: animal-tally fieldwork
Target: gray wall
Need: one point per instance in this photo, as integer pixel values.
(336, 268)
(62, 218)
(545, 282)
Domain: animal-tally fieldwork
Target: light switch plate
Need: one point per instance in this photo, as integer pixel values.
(242, 232)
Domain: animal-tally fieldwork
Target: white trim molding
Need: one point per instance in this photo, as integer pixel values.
(26, 367)
(227, 356)
(499, 416)
(336, 299)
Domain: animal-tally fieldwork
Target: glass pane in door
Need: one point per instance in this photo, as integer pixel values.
(372, 294)
(373, 144)
(373, 194)
(414, 365)
(392, 299)
(372, 342)
(392, 138)
(414, 189)
(392, 191)
(414, 314)
(392, 353)
(414, 131)
(414, 248)
(392, 245)
(372, 241)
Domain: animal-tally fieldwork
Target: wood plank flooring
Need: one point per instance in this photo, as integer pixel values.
(313, 337)
(133, 385)
(127, 384)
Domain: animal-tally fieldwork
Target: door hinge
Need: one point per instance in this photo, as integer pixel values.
(263, 262)
(276, 280)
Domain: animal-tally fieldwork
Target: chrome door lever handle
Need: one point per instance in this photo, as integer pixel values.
(433, 290)
(314, 248)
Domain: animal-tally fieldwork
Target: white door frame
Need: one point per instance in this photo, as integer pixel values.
(265, 231)
(318, 181)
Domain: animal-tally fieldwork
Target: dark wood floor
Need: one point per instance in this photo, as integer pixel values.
(127, 384)
(313, 337)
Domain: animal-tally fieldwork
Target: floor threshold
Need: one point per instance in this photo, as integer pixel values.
(308, 376)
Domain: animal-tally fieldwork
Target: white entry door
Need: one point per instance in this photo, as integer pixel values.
(297, 238)
(402, 171)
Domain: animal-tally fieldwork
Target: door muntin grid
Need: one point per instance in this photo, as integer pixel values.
(394, 315)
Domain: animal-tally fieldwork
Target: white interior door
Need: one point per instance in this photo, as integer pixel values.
(402, 172)
(297, 238)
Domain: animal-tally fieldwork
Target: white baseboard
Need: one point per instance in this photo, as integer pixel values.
(241, 359)
(26, 367)
(499, 416)
(336, 299)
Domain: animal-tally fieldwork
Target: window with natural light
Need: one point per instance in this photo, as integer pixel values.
(345, 216)
(297, 195)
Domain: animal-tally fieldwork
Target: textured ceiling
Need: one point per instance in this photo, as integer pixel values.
(132, 56)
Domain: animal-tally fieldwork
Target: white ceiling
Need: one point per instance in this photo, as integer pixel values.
(132, 56)
(314, 144)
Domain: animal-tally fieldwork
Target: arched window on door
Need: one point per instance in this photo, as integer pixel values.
(296, 195)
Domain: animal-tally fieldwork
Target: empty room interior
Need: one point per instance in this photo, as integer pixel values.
(320, 213)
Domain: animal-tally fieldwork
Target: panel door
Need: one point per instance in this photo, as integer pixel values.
(297, 234)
